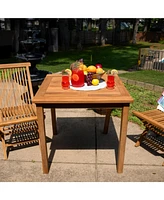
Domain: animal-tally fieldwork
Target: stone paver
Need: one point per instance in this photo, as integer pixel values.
(81, 153)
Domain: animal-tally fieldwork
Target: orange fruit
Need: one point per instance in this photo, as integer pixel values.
(91, 68)
(99, 71)
(75, 77)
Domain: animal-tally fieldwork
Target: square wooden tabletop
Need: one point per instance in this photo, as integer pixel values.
(51, 92)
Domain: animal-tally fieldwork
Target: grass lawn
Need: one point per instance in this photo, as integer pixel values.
(147, 76)
(111, 57)
(143, 100)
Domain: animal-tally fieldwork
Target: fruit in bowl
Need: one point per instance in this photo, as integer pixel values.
(95, 81)
(92, 74)
(91, 68)
(97, 76)
(99, 73)
(98, 65)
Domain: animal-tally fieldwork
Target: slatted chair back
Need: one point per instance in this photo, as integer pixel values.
(17, 112)
(15, 93)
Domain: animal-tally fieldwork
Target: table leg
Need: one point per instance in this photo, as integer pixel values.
(122, 140)
(107, 119)
(53, 119)
(42, 137)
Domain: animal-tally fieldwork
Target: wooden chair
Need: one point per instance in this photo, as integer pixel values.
(18, 120)
(153, 120)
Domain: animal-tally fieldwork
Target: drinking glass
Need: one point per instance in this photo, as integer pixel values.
(110, 81)
(65, 81)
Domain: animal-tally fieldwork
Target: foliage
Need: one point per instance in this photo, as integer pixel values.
(143, 100)
(161, 41)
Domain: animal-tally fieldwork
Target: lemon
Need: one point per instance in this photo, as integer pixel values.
(83, 67)
(85, 72)
(95, 81)
(68, 71)
(99, 71)
(114, 71)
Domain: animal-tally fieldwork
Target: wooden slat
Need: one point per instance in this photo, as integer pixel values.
(15, 65)
(149, 119)
(16, 94)
(16, 107)
(52, 88)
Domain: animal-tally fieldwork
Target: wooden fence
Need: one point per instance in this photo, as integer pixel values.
(94, 37)
(151, 59)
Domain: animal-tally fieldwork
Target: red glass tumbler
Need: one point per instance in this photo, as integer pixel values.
(110, 81)
(65, 81)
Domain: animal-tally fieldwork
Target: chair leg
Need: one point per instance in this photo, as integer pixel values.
(138, 143)
(4, 148)
(107, 119)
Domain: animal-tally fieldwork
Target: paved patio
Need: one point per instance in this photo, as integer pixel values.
(81, 153)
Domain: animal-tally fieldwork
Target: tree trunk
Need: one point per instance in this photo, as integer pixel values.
(7, 24)
(113, 23)
(135, 31)
(64, 33)
(43, 28)
(147, 25)
(103, 23)
(116, 32)
(89, 24)
(78, 33)
(160, 21)
(16, 35)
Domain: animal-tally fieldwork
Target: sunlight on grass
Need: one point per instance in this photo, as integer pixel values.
(147, 76)
(143, 100)
(118, 57)
(111, 57)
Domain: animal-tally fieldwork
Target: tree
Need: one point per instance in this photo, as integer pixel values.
(103, 24)
(89, 25)
(79, 26)
(136, 24)
(116, 31)
(64, 33)
(147, 25)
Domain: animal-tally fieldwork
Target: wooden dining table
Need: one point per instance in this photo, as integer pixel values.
(51, 95)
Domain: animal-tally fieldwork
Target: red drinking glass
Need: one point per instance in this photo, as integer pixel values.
(65, 81)
(110, 81)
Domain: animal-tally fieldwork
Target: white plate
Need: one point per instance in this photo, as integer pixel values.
(101, 85)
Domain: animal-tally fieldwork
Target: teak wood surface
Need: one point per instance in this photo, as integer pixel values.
(51, 95)
(153, 120)
(18, 120)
